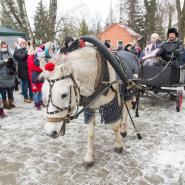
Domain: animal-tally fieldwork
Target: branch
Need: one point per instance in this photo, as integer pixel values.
(63, 17)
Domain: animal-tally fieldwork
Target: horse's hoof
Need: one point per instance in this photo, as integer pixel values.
(118, 150)
(123, 134)
(88, 164)
(137, 115)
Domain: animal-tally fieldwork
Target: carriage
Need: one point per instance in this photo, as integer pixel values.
(166, 80)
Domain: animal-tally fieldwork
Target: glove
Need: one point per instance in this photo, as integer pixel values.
(5, 60)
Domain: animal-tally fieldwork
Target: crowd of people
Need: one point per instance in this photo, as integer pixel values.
(24, 64)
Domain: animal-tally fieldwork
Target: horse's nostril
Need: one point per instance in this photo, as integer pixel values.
(54, 134)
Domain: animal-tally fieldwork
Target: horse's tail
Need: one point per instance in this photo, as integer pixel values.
(103, 49)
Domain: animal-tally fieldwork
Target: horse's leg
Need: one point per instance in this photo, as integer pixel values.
(125, 118)
(89, 156)
(118, 146)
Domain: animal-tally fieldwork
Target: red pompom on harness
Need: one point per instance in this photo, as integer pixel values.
(82, 43)
(50, 66)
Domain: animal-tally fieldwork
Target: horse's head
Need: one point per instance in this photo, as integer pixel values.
(61, 93)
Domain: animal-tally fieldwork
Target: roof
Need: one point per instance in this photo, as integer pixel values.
(6, 31)
(125, 27)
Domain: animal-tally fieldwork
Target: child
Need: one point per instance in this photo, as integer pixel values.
(2, 114)
(36, 84)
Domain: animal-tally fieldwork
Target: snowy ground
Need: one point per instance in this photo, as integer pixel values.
(29, 157)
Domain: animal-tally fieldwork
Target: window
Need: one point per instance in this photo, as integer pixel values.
(119, 43)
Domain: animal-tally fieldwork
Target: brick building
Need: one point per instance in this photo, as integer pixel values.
(119, 35)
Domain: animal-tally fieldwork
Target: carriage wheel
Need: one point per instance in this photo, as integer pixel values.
(179, 101)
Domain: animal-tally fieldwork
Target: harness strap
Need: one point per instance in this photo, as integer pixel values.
(98, 95)
(51, 83)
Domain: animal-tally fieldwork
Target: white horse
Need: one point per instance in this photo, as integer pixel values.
(75, 76)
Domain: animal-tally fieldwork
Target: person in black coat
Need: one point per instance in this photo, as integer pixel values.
(172, 49)
(20, 55)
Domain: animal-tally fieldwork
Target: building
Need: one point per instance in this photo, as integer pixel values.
(10, 35)
(119, 35)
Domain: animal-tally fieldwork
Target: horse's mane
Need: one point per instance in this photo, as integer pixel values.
(79, 59)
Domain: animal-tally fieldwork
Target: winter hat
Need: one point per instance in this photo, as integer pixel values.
(172, 30)
(68, 40)
(20, 41)
(155, 36)
(39, 52)
(3, 43)
(127, 46)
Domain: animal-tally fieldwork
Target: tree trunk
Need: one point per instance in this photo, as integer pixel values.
(181, 19)
(24, 17)
(52, 18)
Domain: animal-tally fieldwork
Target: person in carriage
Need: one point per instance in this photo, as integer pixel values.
(148, 55)
(172, 49)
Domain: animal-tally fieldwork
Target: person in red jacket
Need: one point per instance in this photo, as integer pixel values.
(34, 70)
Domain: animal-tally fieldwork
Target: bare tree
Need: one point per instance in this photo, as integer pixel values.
(110, 19)
(52, 18)
(16, 12)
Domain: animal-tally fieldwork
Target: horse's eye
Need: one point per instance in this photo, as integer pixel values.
(64, 95)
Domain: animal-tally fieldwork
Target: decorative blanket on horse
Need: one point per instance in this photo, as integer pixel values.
(110, 113)
(130, 64)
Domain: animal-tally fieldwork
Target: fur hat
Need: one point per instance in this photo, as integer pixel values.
(172, 30)
(68, 40)
(155, 36)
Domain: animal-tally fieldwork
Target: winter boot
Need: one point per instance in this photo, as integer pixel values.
(6, 105)
(27, 100)
(11, 105)
(38, 106)
(42, 103)
(2, 114)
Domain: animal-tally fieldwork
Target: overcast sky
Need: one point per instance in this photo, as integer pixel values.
(93, 8)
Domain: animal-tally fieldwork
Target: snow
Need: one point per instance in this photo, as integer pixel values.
(130, 30)
(29, 157)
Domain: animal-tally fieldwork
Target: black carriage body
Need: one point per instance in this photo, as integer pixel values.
(171, 76)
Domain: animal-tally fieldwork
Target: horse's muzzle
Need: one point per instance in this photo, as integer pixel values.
(54, 134)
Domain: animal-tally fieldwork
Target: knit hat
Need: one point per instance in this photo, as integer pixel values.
(39, 52)
(20, 41)
(172, 30)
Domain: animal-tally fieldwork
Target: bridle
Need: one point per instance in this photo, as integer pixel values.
(58, 109)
